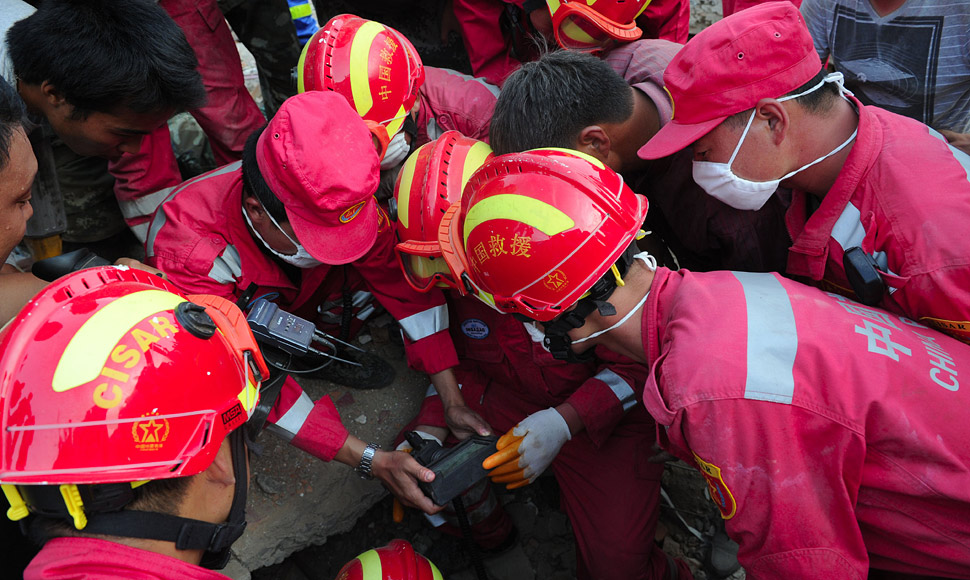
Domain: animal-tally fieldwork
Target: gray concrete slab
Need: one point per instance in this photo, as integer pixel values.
(296, 500)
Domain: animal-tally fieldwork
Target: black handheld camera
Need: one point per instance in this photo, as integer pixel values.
(455, 468)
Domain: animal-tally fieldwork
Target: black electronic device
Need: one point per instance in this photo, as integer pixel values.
(51, 269)
(864, 277)
(455, 468)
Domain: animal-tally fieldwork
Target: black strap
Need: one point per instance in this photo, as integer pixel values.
(186, 533)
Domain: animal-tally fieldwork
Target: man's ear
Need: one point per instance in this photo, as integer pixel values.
(220, 471)
(777, 116)
(594, 141)
(52, 95)
(254, 210)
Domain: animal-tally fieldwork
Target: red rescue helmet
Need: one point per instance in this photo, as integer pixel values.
(432, 179)
(395, 561)
(371, 65)
(593, 26)
(534, 231)
(112, 375)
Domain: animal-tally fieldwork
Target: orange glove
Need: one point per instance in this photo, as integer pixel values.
(528, 449)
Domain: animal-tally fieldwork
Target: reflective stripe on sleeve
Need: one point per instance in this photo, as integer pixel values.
(425, 323)
(140, 231)
(772, 339)
(227, 268)
(144, 205)
(292, 421)
(849, 233)
(620, 387)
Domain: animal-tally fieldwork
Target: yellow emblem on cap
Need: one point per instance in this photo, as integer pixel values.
(351, 212)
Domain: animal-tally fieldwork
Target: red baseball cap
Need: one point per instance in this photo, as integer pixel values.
(763, 51)
(318, 157)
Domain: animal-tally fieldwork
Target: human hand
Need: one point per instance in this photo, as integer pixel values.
(464, 422)
(133, 263)
(528, 448)
(400, 474)
(959, 140)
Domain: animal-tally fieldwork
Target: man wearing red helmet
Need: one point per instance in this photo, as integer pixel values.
(879, 200)
(610, 108)
(123, 403)
(378, 70)
(575, 418)
(832, 435)
(487, 25)
(297, 217)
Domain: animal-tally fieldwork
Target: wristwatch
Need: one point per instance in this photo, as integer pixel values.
(363, 468)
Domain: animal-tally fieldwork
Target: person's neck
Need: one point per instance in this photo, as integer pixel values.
(164, 548)
(837, 125)
(886, 7)
(642, 125)
(627, 338)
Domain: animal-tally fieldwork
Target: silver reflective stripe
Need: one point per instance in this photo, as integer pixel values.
(619, 386)
(491, 88)
(434, 129)
(772, 339)
(144, 205)
(849, 233)
(158, 222)
(140, 231)
(961, 157)
(227, 268)
(292, 421)
(425, 323)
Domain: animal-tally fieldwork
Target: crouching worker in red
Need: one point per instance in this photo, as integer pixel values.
(577, 419)
(297, 218)
(124, 405)
(832, 435)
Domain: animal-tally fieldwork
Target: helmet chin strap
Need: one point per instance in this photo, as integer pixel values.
(557, 339)
(187, 534)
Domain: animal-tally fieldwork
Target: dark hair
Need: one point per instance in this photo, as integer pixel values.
(160, 495)
(11, 119)
(106, 55)
(547, 102)
(253, 183)
(815, 102)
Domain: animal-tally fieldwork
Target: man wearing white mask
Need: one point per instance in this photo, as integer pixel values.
(752, 99)
(295, 219)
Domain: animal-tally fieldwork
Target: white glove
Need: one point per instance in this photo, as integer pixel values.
(397, 150)
(528, 448)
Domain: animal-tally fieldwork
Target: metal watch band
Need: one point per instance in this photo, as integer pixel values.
(363, 469)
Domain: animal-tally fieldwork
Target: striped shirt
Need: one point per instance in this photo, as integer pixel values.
(914, 61)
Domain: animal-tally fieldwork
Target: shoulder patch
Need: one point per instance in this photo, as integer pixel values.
(474, 328)
(720, 493)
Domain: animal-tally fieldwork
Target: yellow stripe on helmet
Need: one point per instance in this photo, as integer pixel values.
(84, 356)
(538, 214)
(359, 66)
(474, 159)
(370, 565)
(300, 85)
(575, 153)
(404, 188)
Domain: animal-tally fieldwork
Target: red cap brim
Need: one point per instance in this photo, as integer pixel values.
(674, 137)
(341, 244)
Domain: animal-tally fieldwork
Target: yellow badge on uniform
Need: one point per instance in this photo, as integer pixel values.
(719, 490)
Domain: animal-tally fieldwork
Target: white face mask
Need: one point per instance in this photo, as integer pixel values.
(720, 182)
(397, 150)
(301, 259)
(651, 263)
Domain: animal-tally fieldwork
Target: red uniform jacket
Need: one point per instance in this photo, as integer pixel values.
(452, 101)
(833, 436)
(903, 196)
(93, 559)
(200, 239)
